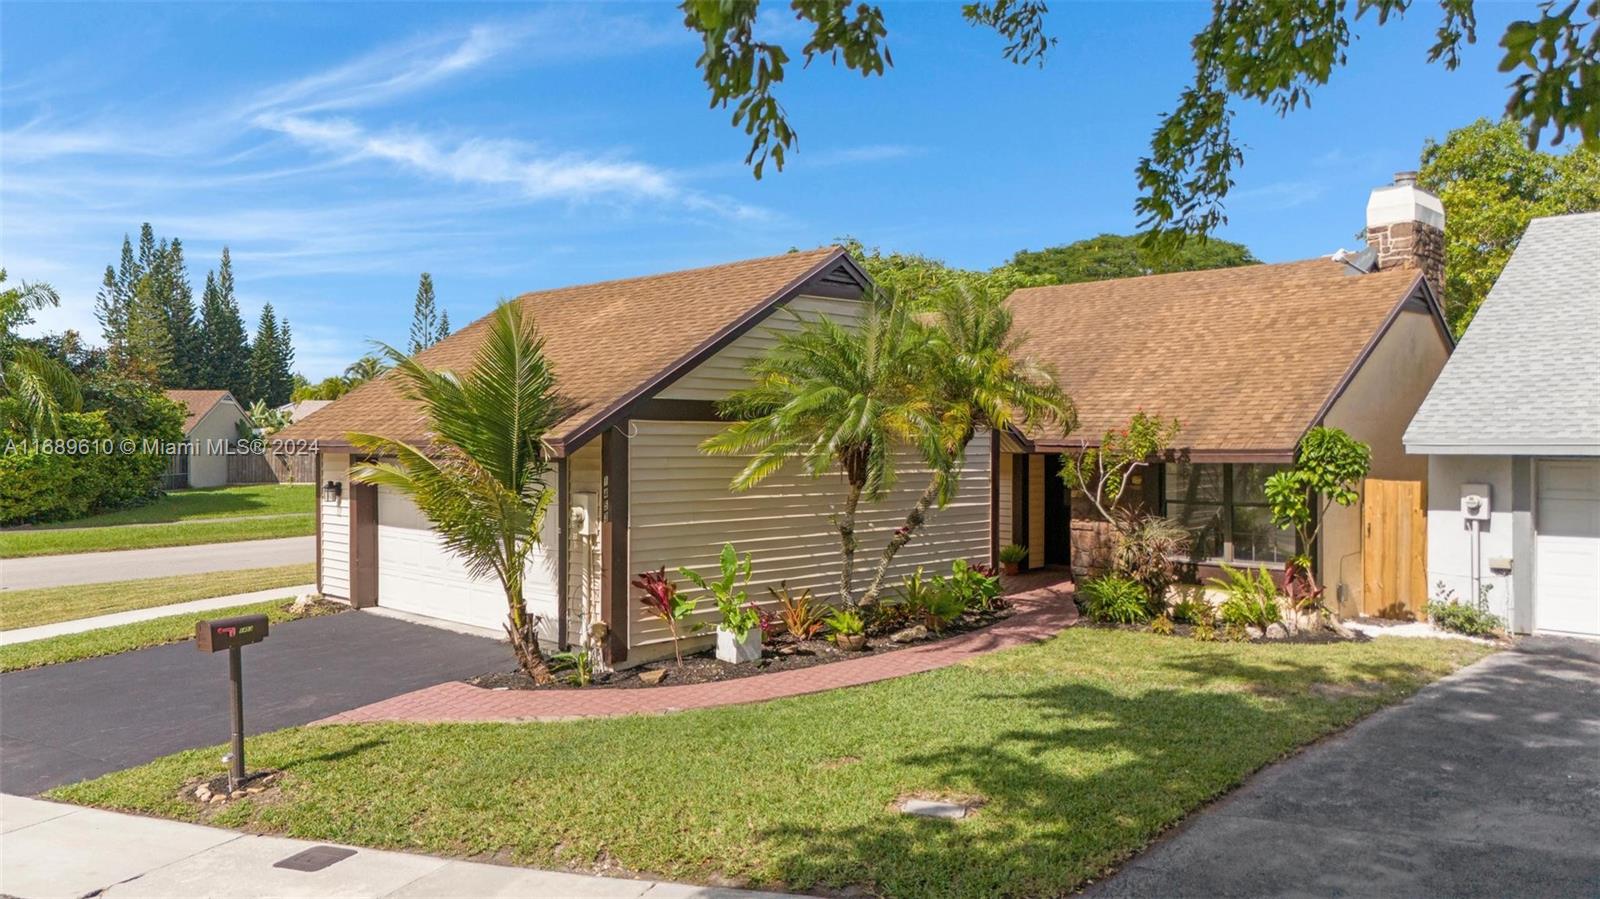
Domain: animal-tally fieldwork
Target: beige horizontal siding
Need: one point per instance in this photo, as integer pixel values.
(726, 371)
(681, 511)
(335, 529)
(1007, 460)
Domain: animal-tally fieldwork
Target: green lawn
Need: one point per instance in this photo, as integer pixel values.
(47, 605)
(127, 637)
(1082, 749)
(209, 502)
(49, 542)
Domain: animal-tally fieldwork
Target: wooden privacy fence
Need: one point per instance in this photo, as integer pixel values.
(1394, 549)
(271, 468)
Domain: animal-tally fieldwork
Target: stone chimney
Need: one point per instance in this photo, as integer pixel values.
(1405, 228)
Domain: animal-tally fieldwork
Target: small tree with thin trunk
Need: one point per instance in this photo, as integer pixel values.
(832, 399)
(1328, 469)
(483, 480)
(1102, 473)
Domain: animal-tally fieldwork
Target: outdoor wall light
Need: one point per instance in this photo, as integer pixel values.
(331, 491)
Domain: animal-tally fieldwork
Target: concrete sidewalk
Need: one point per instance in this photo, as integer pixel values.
(52, 850)
(79, 625)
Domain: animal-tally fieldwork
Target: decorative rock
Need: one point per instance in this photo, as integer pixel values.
(255, 789)
(915, 632)
(216, 798)
(236, 794)
(653, 677)
(202, 793)
(1277, 632)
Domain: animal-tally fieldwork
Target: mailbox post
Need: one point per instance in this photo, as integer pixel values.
(232, 634)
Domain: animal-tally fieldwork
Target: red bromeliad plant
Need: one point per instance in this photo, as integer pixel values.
(662, 600)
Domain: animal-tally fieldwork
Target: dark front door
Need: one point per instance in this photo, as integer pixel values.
(1057, 514)
(363, 545)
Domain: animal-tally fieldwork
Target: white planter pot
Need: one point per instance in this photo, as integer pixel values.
(733, 650)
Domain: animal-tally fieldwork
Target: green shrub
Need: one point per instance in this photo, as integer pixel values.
(1235, 633)
(96, 474)
(1252, 598)
(1013, 554)
(1192, 607)
(1162, 625)
(977, 585)
(846, 622)
(1463, 619)
(1115, 599)
(1205, 632)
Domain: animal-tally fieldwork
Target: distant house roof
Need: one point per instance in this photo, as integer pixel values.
(298, 411)
(1247, 359)
(610, 343)
(198, 403)
(1526, 377)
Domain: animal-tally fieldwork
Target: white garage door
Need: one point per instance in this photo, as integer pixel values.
(1568, 569)
(417, 574)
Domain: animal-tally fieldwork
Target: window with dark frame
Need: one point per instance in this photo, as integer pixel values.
(1225, 506)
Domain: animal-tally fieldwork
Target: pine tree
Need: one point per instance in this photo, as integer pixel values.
(111, 309)
(128, 271)
(271, 358)
(149, 345)
(147, 249)
(444, 325)
(227, 346)
(424, 318)
(187, 346)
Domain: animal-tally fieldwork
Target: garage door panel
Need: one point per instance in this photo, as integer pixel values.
(418, 574)
(1567, 572)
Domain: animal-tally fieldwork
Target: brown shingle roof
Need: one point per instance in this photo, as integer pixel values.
(606, 341)
(197, 402)
(1245, 358)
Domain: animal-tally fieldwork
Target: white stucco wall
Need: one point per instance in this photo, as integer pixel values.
(1375, 408)
(1450, 538)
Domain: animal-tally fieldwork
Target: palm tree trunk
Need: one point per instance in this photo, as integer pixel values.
(914, 521)
(846, 522)
(523, 631)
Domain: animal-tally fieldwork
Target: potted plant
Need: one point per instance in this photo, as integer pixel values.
(1011, 558)
(739, 631)
(849, 631)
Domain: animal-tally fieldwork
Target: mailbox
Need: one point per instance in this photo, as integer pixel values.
(226, 633)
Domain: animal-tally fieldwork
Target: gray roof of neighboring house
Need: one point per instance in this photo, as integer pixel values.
(1525, 378)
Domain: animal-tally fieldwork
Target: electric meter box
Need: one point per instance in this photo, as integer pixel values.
(1475, 502)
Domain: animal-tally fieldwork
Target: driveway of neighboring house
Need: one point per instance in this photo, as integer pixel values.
(131, 564)
(1486, 783)
(68, 722)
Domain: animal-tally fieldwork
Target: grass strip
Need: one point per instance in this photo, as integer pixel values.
(48, 605)
(51, 542)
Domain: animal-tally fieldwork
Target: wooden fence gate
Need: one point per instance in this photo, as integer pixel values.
(1394, 549)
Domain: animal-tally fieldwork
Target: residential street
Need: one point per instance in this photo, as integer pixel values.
(124, 565)
(1485, 784)
(72, 721)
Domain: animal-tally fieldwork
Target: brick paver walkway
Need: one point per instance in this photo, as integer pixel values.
(1043, 610)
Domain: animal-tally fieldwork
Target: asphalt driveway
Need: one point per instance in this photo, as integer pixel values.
(130, 564)
(1486, 783)
(69, 722)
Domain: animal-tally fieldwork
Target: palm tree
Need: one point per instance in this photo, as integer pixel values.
(482, 481)
(974, 377)
(831, 398)
(364, 369)
(37, 387)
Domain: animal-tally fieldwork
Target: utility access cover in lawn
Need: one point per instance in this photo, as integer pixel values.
(65, 723)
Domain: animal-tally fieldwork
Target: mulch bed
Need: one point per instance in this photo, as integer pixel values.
(783, 653)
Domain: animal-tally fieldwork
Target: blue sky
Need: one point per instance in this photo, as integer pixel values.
(341, 149)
